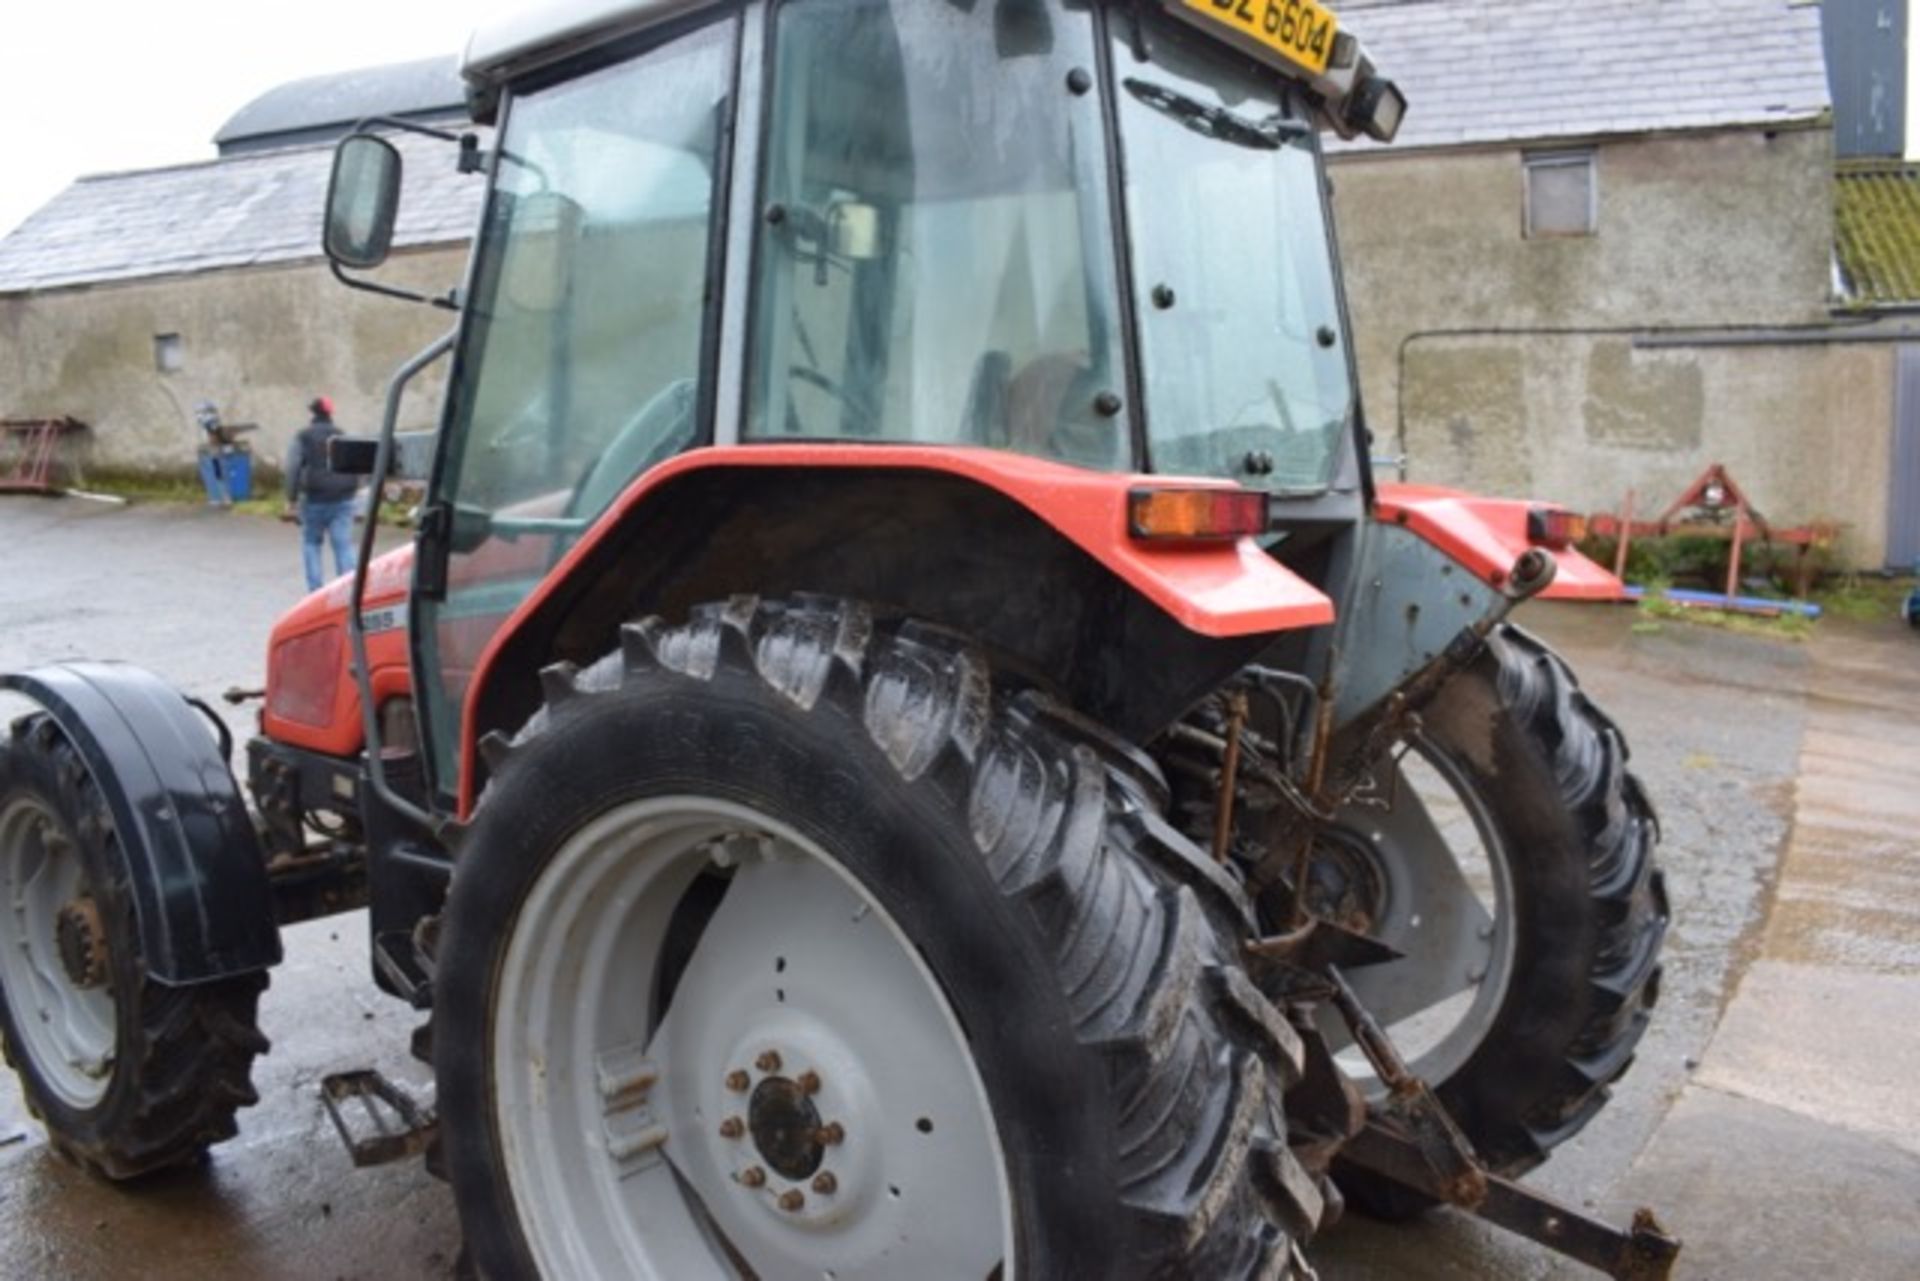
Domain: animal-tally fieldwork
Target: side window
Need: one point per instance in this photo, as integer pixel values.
(581, 356)
(591, 299)
(1563, 197)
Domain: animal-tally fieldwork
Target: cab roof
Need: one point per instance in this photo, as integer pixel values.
(512, 43)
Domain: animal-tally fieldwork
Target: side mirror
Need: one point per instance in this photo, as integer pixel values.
(363, 199)
(412, 457)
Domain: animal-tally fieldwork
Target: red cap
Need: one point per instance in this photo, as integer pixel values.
(321, 405)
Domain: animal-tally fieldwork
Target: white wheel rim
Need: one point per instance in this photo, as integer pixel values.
(614, 1123)
(66, 1029)
(1438, 1039)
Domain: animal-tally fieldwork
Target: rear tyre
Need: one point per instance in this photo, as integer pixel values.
(129, 1075)
(1587, 908)
(785, 893)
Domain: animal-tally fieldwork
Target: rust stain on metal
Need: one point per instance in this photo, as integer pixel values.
(1229, 774)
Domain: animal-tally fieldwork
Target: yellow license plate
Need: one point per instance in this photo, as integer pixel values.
(1300, 31)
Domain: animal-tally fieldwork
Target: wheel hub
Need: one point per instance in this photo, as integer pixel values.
(81, 938)
(1345, 883)
(786, 1127)
(787, 1138)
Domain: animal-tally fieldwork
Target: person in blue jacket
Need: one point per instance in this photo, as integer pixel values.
(319, 497)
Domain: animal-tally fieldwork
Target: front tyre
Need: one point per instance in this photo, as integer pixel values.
(784, 946)
(129, 1075)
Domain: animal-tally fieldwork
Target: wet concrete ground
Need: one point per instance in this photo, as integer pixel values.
(1765, 1117)
(1797, 1143)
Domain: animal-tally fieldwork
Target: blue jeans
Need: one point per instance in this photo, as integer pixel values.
(326, 520)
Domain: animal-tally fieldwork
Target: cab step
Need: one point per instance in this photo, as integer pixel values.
(377, 1120)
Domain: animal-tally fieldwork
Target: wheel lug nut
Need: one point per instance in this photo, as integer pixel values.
(753, 1176)
(830, 1134)
(809, 1083)
(738, 1081)
(732, 1128)
(825, 1184)
(768, 1062)
(792, 1200)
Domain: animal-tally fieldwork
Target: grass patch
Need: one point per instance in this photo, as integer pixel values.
(1864, 598)
(178, 487)
(184, 489)
(1656, 610)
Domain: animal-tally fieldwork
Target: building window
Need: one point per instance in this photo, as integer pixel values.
(1563, 195)
(168, 357)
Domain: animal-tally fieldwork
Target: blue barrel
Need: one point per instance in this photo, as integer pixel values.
(237, 464)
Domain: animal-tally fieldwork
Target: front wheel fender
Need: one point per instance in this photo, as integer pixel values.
(192, 858)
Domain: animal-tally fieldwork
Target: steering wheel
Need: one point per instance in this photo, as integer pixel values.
(866, 422)
(663, 427)
(985, 419)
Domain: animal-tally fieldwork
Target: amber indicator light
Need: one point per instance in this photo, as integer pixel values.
(1555, 527)
(1196, 515)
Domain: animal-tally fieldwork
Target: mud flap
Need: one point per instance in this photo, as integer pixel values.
(198, 880)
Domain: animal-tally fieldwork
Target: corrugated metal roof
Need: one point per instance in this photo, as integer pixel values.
(1481, 71)
(1876, 227)
(430, 87)
(237, 211)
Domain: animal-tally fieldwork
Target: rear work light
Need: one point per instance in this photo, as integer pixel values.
(1555, 527)
(1196, 515)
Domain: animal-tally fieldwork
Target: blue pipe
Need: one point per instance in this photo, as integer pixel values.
(1750, 604)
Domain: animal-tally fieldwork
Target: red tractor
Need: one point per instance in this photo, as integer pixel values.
(909, 741)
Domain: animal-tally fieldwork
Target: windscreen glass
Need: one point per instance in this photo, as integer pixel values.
(1241, 341)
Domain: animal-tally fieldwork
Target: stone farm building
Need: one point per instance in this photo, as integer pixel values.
(1601, 256)
(132, 296)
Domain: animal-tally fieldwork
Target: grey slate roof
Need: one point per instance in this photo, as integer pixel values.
(1475, 71)
(311, 109)
(261, 207)
(1483, 71)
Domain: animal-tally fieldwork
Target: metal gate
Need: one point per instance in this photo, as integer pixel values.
(1903, 497)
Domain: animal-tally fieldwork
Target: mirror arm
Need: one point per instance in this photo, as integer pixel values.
(367, 123)
(449, 301)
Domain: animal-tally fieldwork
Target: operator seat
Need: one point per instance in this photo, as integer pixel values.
(1050, 412)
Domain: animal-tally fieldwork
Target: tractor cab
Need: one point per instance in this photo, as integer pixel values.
(1088, 233)
(1091, 234)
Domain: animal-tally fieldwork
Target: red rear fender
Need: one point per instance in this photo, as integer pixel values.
(1219, 590)
(1486, 535)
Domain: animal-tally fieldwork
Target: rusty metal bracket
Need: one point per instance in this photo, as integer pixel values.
(393, 1126)
(1642, 1252)
(1412, 1140)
